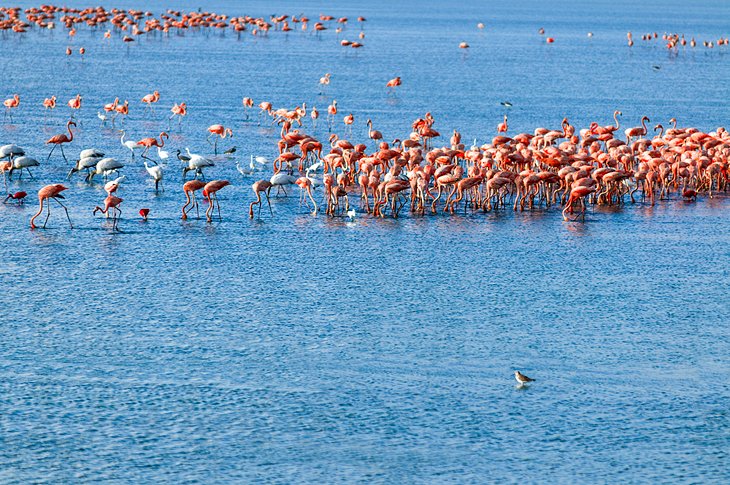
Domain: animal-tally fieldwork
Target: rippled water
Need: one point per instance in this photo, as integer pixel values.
(300, 349)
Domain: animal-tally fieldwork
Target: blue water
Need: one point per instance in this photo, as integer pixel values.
(297, 349)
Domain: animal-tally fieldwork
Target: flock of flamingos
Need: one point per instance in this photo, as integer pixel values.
(564, 167)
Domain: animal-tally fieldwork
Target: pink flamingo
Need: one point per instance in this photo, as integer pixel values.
(47, 193)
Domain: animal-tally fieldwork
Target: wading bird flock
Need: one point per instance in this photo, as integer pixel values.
(564, 167)
(559, 166)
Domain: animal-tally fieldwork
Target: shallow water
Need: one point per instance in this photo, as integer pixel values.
(301, 349)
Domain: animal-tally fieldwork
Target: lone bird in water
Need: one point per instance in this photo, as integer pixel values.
(522, 379)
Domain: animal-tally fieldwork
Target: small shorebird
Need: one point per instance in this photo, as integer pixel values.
(522, 378)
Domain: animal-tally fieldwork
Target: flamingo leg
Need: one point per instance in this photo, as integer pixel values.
(48, 214)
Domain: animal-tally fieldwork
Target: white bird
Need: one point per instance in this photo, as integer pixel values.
(102, 117)
(91, 152)
(162, 154)
(131, 144)
(11, 150)
(245, 171)
(314, 167)
(84, 163)
(156, 173)
(260, 160)
(105, 167)
(197, 163)
(21, 163)
(316, 181)
(351, 214)
(280, 180)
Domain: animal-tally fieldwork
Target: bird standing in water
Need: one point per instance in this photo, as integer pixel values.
(522, 379)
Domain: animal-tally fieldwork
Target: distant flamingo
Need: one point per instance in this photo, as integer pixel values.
(149, 99)
(315, 115)
(247, 104)
(179, 110)
(59, 140)
(121, 110)
(331, 112)
(324, 81)
(47, 193)
(49, 103)
(75, 104)
(393, 83)
(221, 131)
(502, 127)
(210, 191)
(190, 188)
(10, 104)
(348, 120)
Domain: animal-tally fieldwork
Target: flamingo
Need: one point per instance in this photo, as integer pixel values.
(10, 104)
(324, 81)
(219, 130)
(247, 104)
(258, 187)
(121, 110)
(210, 191)
(179, 110)
(59, 140)
(48, 193)
(190, 188)
(49, 103)
(392, 84)
(111, 203)
(331, 112)
(305, 184)
(315, 115)
(156, 173)
(149, 99)
(149, 142)
(348, 120)
(374, 135)
(502, 127)
(637, 131)
(75, 104)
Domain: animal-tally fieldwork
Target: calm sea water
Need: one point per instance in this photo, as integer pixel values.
(300, 349)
